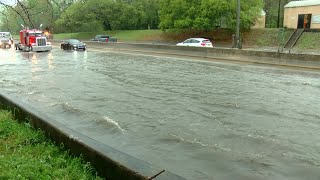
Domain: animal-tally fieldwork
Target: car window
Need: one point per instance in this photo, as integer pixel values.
(187, 41)
(206, 41)
(35, 34)
(194, 41)
(6, 34)
(74, 41)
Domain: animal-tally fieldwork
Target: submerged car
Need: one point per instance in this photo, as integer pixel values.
(7, 35)
(196, 42)
(104, 38)
(5, 42)
(73, 44)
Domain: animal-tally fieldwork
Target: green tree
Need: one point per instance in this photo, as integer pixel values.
(206, 14)
(31, 13)
(97, 15)
(148, 13)
(273, 13)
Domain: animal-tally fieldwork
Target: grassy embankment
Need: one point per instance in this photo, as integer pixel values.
(125, 35)
(26, 153)
(309, 41)
(268, 37)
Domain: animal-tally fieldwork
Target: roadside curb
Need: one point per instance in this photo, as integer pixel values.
(109, 162)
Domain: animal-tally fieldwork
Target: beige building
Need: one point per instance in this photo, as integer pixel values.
(302, 14)
(261, 21)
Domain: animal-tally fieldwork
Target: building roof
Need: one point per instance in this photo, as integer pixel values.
(302, 3)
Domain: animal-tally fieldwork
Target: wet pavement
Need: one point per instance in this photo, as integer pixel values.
(199, 119)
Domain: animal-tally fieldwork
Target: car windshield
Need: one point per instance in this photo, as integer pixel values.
(36, 34)
(7, 34)
(74, 41)
(3, 37)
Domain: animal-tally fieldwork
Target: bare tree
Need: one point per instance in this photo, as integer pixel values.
(12, 7)
(26, 10)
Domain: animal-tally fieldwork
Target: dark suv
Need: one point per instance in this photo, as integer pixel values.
(104, 38)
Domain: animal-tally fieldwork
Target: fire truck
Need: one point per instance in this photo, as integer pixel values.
(33, 40)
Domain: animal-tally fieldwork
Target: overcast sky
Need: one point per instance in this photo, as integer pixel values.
(8, 1)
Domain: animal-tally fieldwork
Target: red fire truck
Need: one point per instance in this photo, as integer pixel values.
(33, 40)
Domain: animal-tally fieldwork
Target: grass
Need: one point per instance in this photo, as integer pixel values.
(124, 35)
(254, 38)
(26, 153)
(268, 37)
(309, 41)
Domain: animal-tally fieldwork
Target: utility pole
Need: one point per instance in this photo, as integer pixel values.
(279, 8)
(238, 42)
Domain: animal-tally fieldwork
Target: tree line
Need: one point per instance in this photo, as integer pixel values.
(98, 15)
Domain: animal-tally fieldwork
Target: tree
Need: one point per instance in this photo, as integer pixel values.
(31, 13)
(148, 13)
(97, 15)
(206, 14)
(273, 13)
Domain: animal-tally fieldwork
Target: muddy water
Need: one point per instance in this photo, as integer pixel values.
(201, 120)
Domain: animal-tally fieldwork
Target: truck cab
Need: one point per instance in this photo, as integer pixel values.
(33, 40)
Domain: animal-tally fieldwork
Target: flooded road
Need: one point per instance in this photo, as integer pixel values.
(201, 120)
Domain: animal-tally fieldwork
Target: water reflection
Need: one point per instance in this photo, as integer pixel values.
(201, 120)
(7, 55)
(50, 61)
(75, 55)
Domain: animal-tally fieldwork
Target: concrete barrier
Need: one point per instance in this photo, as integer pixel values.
(109, 162)
(229, 54)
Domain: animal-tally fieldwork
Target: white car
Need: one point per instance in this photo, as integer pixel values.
(197, 42)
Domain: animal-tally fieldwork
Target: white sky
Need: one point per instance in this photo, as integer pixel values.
(10, 2)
